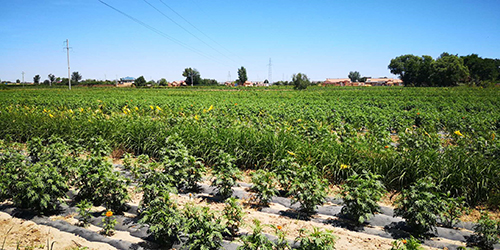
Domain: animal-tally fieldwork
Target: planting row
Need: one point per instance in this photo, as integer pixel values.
(401, 134)
(39, 178)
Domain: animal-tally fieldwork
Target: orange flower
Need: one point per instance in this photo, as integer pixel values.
(279, 227)
(386, 146)
(418, 113)
(404, 241)
(109, 214)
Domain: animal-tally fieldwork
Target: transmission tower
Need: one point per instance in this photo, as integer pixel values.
(229, 76)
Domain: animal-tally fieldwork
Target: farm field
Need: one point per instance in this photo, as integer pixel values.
(447, 136)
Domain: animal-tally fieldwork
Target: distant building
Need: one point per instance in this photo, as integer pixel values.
(337, 82)
(177, 84)
(383, 82)
(126, 82)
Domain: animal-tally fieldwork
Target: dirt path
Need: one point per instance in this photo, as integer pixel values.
(29, 235)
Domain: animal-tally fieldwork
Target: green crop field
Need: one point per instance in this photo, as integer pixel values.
(403, 134)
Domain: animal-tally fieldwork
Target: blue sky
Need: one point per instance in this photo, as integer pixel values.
(323, 39)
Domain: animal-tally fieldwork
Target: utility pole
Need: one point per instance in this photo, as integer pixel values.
(23, 77)
(69, 74)
(229, 76)
(270, 76)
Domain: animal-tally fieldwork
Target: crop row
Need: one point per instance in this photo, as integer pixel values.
(402, 134)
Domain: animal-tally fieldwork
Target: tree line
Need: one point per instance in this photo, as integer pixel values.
(446, 71)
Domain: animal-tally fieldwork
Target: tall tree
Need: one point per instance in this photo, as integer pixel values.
(36, 79)
(75, 77)
(300, 81)
(481, 69)
(449, 70)
(242, 75)
(192, 76)
(140, 81)
(52, 79)
(424, 76)
(354, 76)
(407, 67)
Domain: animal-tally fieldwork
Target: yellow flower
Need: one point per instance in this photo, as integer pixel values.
(299, 120)
(109, 214)
(81, 109)
(51, 116)
(211, 107)
(196, 117)
(71, 111)
(152, 108)
(290, 152)
(458, 133)
(136, 108)
(344, 166)
(158, 108)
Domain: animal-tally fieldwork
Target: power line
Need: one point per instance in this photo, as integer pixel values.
(182, 27)
(162, 33)
(200, 30)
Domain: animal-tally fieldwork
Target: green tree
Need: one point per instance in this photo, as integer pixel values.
(425, 71)
(52, 79)
(242, 75)
(75, 77)
(18, 81)
(481, 69)
(407, 67)
(449, 70)
(163, 82)
(300, 81)
(192, 76)
(140, 81)
(354, 76)
(36, 79)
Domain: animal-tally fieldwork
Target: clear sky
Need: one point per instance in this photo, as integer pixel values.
(323, 39)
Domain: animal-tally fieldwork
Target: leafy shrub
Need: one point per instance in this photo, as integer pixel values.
(316, 240)
(420, 206)
(361, 194)
(98, 146)
(164, 219)
(99, 184)
(36, 182)
(264, 186)
(453, 209)
(233, 213)
(12, 163)
(285, 171)
(406, 244)
(486, 233)
(226, 174)
(256, 240)
(153, 184)
(203, 228)
(308, 188)
(84, 212)
(128, 163)
(186, 169)
(39, 187)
